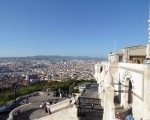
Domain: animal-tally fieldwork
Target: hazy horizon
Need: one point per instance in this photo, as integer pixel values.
(51, 56)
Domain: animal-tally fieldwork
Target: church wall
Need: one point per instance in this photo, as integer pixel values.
(147, 89)
(113, 68)
(139, 75)
(135, 73)
(113, 58)
(137, 108)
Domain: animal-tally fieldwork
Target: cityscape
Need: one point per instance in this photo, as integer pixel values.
(29, 70)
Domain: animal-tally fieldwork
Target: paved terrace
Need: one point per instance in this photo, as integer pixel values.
(36, 112)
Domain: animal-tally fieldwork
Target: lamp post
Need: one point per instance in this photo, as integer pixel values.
(15, 93)
(14, 87)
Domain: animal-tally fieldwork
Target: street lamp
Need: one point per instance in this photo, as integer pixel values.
(15, 93)
(14, 87)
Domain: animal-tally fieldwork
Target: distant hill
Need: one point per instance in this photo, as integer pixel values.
(53, 57)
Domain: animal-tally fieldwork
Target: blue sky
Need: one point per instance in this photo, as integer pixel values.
(71, 27)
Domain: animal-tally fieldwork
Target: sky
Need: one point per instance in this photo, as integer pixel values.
(71, 27)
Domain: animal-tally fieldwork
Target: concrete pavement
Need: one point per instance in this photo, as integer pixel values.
(37, 112)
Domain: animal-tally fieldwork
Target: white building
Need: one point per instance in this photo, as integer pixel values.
(134, 53)
(131, 79)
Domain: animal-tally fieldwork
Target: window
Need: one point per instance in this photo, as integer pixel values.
(120, 58)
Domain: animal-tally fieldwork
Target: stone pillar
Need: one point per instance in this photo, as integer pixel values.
(97, 72)
(109, 107)
(99, 77)
(101, 86)
(60, 95)
(147, 86)
(74, 111)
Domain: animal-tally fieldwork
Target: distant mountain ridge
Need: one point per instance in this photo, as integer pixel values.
(53, 57)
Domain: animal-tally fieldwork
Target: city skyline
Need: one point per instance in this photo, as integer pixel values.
(71, 27)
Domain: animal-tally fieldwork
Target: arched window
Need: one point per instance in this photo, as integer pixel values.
(130, 96)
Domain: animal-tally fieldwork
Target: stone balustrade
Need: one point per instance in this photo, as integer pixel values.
(66, 114)
(54, 108)
(139, 67)
(21, 108)
(61, 105)
(63, 110)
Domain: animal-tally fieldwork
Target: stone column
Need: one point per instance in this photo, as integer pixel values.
(147, 86)
(101, 84)
(97, 72)
(109, 108)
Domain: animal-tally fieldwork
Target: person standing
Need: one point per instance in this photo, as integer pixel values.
(130, 117)
(92, 105)
(118, 116)
(49, 111)
(70, 102)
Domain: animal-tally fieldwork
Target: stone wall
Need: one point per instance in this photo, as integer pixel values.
(66, 114)
(60, 105)
(139, 75)
(63, 110)
(22, 108)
